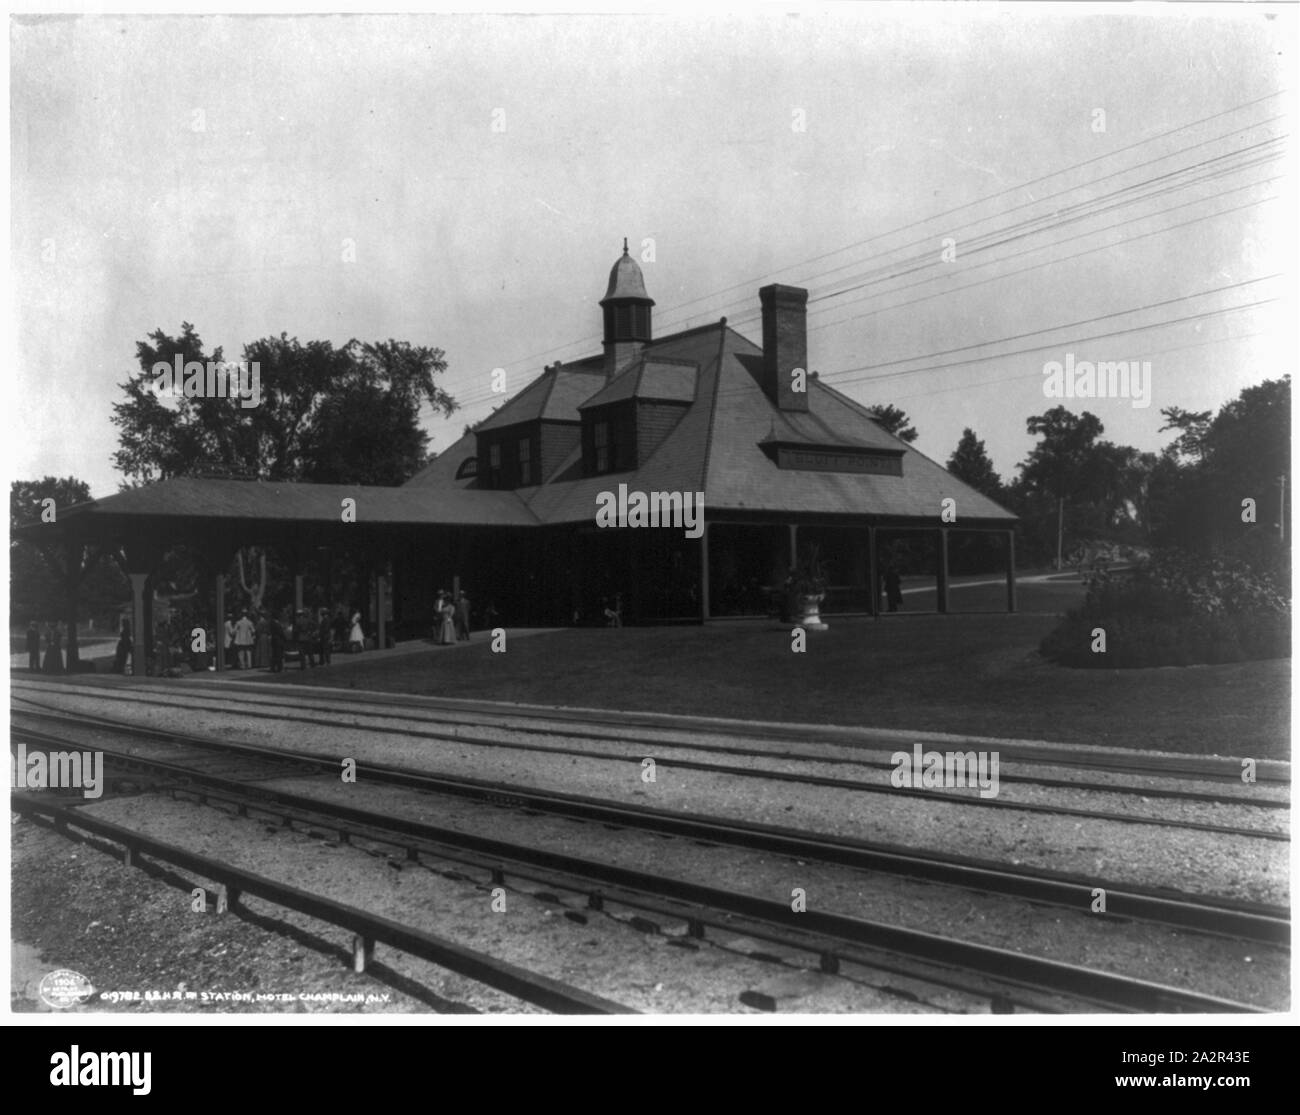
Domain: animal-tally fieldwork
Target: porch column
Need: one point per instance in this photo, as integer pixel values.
(219, 630)
(942, 582)
(381, 608)
(297, 594)
(704, 573)
(1011, 571)
(873, 572)
(140, 560)
(139, 644)
(794, 545)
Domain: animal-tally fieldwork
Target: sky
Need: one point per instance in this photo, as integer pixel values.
(466, 182)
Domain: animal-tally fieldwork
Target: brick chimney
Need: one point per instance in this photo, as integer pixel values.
(785, 344)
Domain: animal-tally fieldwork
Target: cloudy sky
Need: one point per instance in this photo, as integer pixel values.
(465, 182)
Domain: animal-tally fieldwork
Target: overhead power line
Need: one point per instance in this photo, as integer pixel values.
(586, 342)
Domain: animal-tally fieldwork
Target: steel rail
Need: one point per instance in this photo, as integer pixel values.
(530, 987)
(853, 785)
(1038, 974)
(1208, 768)
(1239, 920)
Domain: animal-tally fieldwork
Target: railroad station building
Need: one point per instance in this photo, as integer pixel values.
(758, 460)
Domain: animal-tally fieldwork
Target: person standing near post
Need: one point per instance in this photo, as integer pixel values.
(277, 645)
(893, 588)
(462, 618)
(446, 619)
(33, 647)
(53, 649)
(304, 634)
(262, 648)
(230, 642)
(124, 648)
(245, 637)
(324, 639)
(356, 640)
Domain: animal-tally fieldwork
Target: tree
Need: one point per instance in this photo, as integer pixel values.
(970, 463)
(56, 579)
(322, 414)
(895, 422)
(1062, 462)
(348, 415)
(1193, 426)
(1244, 453)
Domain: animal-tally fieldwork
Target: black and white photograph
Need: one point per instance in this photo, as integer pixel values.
(689, 514)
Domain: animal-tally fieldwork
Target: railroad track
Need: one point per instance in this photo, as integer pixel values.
(368, 929)
(836, 933)
(854, 785)
(600, 724)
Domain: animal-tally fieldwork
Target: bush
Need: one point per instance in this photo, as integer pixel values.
(1175, 609)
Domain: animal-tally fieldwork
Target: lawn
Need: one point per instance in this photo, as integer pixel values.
(961, 673)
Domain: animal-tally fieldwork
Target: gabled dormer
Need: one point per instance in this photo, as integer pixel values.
(628, 419)
(527, 440)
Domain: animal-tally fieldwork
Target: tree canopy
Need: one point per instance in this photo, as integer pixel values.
(325, 414)
(896, 422)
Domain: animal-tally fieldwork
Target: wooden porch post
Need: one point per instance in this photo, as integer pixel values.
(873, 572)
(1011, 571)
(942, 585)
(704, 573)
(219, 628)
(139, 644)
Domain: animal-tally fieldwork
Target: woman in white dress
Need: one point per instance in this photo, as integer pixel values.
(356, 640)
(445, 631)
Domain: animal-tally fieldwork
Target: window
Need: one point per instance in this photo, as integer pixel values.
(601, 436)
(525, 461)
(494, 456)
(468, 468)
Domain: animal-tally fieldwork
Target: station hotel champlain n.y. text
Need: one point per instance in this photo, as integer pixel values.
(509, 510)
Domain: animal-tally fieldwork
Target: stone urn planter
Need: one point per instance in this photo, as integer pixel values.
(805, 610)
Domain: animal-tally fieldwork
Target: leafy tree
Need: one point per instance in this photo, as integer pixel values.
(1062, 464)
(970, 463)
(348, 415)
(345, 415)
(47, 579)
(895, 422)
(1244, 453)
(1192, 425)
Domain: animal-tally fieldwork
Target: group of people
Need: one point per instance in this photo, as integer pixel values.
(258, 641)
(451, 618)
(51, 634)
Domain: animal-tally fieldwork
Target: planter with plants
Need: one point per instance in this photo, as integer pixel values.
(805, 590)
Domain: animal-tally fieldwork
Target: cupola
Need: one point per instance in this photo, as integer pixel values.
(626, 307)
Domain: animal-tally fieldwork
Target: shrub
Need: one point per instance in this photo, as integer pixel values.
(1175, 609)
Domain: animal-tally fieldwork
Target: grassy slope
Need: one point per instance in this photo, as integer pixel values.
(959, 673)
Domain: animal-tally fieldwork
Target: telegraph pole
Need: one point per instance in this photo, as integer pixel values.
(1281, 509)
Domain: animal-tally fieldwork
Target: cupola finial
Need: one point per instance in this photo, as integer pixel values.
(625, 245)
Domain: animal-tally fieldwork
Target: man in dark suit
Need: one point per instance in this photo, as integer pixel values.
(462, 618)
(33, 647)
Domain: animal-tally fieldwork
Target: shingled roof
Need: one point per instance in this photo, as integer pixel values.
(718, 448)
(249, 500)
